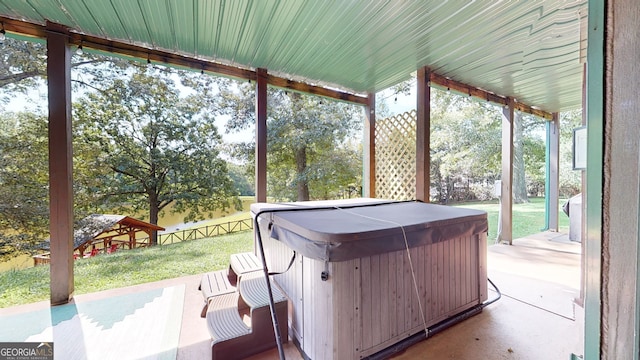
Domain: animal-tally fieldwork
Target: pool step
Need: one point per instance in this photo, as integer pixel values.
(213, 284)
(242, 263)
(223, 320)
(239, 318)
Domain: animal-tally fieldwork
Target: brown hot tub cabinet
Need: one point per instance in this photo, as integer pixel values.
(350, 289)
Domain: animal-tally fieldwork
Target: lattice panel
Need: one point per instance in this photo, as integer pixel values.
(396, 157)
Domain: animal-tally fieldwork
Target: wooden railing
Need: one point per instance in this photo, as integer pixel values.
(205, 231)
(176, 236)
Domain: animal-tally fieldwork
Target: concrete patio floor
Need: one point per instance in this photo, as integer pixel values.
(536, 318)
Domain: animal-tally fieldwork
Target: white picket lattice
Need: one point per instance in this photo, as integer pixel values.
(395, 140)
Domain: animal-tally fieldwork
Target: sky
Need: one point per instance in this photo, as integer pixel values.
(400, 103)
(30, 102)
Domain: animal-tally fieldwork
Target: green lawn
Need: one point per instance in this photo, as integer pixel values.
(127, 267)
(527, 218)
(138, 266)
(25, 261)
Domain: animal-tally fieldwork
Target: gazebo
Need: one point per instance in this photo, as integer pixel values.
(105, 233)
(526, 56)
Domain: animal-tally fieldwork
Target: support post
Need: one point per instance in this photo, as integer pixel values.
(369, 178)
(583, 191)
(614, 142)
(261, 135)
(552, 182)
(506, 192)
(423, 133)
(596, 79)
(60, 167)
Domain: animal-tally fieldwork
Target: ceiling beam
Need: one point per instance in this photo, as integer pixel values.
(475, 92)
(316, 90)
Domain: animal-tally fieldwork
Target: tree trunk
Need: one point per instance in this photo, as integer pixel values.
(301, 168)
(519, 177)
(153, 218)
(436, 180)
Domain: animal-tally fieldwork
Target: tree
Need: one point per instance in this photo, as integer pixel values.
(23, 67)
(337, 173)
(156, 146)
(24, 205)
(570, 180)
(528, 155)
(170, 123)
(519, 174)
(466, 149)
(24, 199)
(465, 146)
(23, 62)
(309, 155)
(307, 132)
(243, 185)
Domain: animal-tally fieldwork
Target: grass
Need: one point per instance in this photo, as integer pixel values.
(127, 267)
(528, 218)
(25, 261)
(131, 267)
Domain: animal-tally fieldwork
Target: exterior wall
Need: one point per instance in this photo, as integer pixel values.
(621, 189)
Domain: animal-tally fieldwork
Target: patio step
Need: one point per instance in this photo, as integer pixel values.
(223, 319)
(242, 263)
(254, 291)
(213, 284)
(235, 338)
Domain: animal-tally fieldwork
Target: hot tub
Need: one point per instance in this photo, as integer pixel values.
(351, 289)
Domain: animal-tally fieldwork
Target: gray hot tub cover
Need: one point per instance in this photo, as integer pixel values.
(344, 230)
